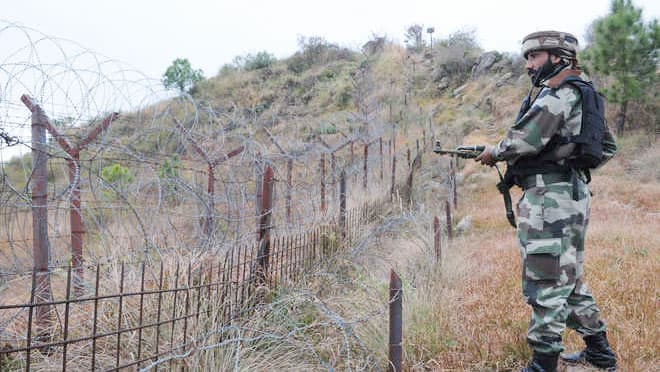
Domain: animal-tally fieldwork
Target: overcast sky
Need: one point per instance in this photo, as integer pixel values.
(150, 34)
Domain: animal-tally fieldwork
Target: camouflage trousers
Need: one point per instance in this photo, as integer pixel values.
(551, 231)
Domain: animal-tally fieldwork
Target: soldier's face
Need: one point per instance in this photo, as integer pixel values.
(536, 60)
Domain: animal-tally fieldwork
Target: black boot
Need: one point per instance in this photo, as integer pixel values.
(542, 363)
(597, 353)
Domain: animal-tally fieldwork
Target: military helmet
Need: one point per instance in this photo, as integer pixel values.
(562, 43)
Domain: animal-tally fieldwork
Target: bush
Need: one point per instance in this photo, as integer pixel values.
(257, 61)
(455, 56)
(316, 50)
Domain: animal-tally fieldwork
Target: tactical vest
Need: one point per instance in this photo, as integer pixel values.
(588, 151)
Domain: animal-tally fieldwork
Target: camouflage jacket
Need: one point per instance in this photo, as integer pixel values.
(556, 110)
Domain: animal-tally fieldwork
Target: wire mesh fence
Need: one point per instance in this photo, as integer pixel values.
(133, 222)
(131, 314)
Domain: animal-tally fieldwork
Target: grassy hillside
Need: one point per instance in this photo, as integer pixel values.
(464, 313)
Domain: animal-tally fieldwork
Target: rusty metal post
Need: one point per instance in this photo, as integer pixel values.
(396, 323)
(449, 228)
(322, 169)
(208, 221)
(380, 145)
(365, 167)
(77, 226)
(75, 218)
(392, 188)
(333, 172)
(265, 225)
(289, 186)
(40, 245)
(409, 183)
(436, 239)
(353, 160)
(342, 203)
(454, 191)
(258, 174)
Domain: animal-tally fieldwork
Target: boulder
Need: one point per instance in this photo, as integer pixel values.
(457, 92)
(443, 83)
(504, 79)
(484, 63)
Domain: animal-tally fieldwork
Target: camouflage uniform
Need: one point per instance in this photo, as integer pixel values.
(552, 220)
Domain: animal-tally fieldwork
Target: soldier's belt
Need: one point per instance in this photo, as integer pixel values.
(528, 182)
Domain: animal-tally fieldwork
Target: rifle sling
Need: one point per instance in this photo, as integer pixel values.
(503, 187)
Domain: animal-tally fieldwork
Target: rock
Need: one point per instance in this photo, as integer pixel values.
(484, 63)
(374, 46)
(458, 90)
(464, 225)
(443, 84)
(504, 79)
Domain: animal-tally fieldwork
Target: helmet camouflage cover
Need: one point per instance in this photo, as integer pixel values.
(562, 42)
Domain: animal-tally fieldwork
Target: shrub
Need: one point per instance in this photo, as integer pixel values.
(316, 50)
(257, 61)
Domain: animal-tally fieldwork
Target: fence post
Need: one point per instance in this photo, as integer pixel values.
(289, 186)
(322, 169)
(408, 155)
(449, 228)
(365, 169)
(40, 245)
(454, 191)
(76, 224)
(396, 323)
(333, 171)
(392, 188)
(393, 147)
(342, 204)
(265, 225)
(380, 144)
(353, 160)
(210, 189)
(436, 239)
(258, 174)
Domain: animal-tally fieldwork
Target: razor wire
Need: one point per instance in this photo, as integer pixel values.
(161, 201)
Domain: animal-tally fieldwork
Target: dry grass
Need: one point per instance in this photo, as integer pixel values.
(468, 312)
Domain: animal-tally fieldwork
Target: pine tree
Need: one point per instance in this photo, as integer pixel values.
(626, 49)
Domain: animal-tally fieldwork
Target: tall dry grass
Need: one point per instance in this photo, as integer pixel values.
(467, 313)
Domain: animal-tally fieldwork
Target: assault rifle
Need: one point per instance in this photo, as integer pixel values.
(471, 152)
(464, 152)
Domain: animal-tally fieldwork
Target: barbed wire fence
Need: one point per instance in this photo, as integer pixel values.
(150, 200)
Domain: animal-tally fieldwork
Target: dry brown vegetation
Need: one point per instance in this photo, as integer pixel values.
(464, 313)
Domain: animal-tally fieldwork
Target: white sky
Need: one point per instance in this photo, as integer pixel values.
(149, 34)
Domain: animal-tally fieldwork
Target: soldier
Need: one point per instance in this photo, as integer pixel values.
(554, 210)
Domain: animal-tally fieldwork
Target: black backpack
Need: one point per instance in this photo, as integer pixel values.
(588, 153)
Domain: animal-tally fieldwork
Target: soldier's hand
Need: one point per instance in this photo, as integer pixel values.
(486, 157)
